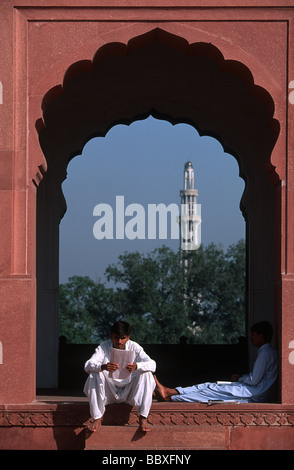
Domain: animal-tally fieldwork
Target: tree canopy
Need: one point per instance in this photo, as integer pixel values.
(164, 295)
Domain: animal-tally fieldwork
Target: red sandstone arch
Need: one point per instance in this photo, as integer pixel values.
(162, 74)
(173, 73)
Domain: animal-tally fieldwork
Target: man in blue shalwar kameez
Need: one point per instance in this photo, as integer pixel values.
(253, 387)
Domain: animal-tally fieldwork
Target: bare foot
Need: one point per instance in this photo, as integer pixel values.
(143, 424)
(93, 424)
(163, 393)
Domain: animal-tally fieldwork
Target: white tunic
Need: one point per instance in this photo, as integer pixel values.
(102, 390)
(253, 387)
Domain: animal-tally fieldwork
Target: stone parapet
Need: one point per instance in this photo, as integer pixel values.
(173, 426)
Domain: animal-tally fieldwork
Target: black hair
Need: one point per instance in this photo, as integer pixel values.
(120, 328)
(265, 328)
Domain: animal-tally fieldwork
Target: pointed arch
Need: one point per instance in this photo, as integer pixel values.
(162, 75)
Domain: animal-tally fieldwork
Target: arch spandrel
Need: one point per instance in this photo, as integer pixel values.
(160, 73)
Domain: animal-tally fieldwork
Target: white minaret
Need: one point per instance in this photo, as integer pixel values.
(190, 219)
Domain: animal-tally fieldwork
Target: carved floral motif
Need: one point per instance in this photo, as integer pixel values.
(77, 416)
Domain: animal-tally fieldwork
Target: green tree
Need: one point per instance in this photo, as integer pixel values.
(151, 294)
(164, 295)
(215, 293)
(86, 310)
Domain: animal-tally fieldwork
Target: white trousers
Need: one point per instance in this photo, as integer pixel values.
(102, 392)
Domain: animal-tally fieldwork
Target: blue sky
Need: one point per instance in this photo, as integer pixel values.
(144, 162)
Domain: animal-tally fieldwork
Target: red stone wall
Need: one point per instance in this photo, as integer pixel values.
(39, 42)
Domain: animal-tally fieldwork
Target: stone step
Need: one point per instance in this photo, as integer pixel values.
(193, 426)
(160, 437)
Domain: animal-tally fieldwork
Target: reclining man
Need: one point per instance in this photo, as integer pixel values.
(253, 387)
(136, 389)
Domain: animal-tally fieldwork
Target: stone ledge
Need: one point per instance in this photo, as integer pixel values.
(161, 414)
(60, 425)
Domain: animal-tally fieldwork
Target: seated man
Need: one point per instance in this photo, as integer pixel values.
(136, 390)
(253, 387)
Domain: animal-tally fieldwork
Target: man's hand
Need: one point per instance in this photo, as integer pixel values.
(235, 377)
(110, 366)
(132, 367)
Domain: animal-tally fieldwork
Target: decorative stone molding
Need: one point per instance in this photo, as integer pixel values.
(61, 415)
(223, 418)
(77, 414)
(160, 415)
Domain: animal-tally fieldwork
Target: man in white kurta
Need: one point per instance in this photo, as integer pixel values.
(136, 390)
(253, 387)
